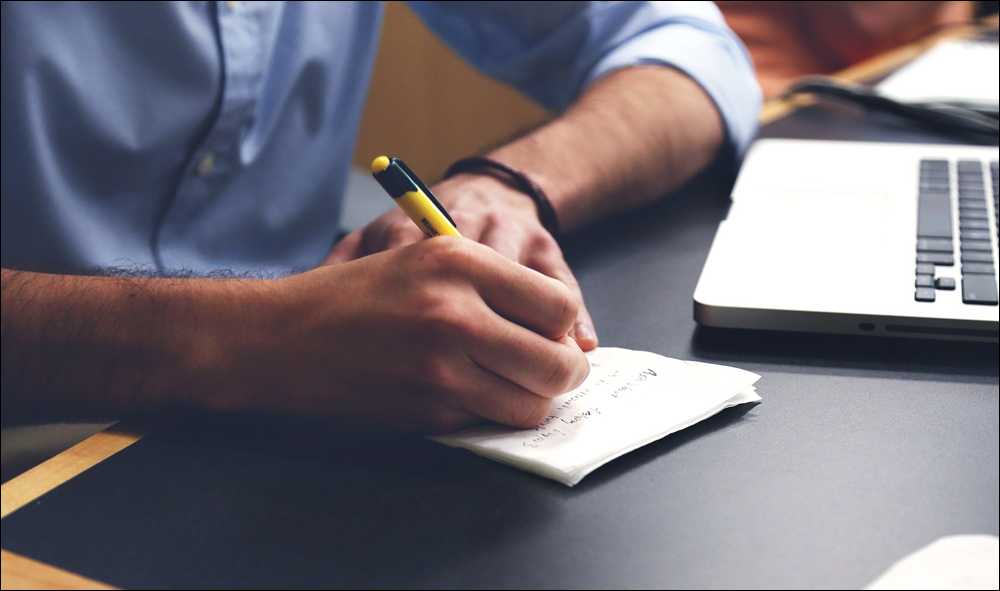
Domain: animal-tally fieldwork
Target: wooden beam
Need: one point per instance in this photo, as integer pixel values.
(34, 483)
(18, 572)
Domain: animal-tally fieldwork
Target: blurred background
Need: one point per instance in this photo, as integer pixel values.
(467, 112)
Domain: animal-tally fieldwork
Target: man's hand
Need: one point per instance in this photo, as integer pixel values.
(634, 136)
(427, 338)
(487, 211)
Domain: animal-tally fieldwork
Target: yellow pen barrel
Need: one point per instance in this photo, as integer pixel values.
(425, 215)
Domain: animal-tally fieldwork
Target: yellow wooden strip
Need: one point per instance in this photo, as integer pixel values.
(18, 572)
(34, 483)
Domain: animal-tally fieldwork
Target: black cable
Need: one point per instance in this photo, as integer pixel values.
(939, 115)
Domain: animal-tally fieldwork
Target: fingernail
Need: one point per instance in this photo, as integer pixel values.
(584, 333)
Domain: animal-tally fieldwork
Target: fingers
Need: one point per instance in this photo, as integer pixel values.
(547, 258)
(541, 366)
(348, 249)
(522, 295)
(507, 240)
(397, 234)
(494, 398)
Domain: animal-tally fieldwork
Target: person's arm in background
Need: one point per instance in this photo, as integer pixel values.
(426, 338)
(854, 30)
(667, 85)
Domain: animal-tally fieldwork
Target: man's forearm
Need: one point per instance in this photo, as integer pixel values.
(633, 137)
(91, 346)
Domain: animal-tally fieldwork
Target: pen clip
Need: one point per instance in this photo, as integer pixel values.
(420, 185)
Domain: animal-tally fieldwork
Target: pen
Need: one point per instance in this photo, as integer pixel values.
(413, 197)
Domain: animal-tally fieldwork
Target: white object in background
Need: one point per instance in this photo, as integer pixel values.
(630, 399)
(953, 562)
(953, 71)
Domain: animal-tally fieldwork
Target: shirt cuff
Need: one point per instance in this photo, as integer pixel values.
(712, 58)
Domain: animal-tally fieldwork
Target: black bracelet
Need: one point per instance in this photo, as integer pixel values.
(516, 179)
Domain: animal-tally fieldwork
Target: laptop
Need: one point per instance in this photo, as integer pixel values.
(892, 240)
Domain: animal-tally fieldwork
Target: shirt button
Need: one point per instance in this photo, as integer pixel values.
(205, 164)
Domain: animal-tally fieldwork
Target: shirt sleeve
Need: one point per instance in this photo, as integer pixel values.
(553, 51)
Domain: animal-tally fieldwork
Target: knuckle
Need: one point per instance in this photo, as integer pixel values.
(465, 219)
(566, 303)
(447, 319)
(561, 378)
(534, 413)
(544, 242)
(435, 374)
(448, 255)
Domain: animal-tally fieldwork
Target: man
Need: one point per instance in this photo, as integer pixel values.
(188, 138)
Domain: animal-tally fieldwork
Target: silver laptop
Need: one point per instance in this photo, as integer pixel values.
(883, 239)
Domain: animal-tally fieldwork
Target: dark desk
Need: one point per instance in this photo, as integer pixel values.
(861, 452)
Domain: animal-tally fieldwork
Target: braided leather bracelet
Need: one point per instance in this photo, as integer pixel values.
(516, 179)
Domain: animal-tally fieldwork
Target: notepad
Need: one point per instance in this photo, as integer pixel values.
(630, 399)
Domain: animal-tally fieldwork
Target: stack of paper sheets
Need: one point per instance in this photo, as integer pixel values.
(630, 398)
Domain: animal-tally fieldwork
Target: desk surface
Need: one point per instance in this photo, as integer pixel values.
(861, 452)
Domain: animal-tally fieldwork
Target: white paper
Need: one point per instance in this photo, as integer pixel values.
(630, 398)
(954, 562)
(953, 71)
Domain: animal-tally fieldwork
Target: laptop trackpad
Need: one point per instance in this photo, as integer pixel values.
(831, 245)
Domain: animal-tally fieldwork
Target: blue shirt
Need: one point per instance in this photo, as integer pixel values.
(199, 136)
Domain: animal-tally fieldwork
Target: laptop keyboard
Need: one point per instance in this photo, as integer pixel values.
(940, 183)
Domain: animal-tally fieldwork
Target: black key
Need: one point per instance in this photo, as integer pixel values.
(979, 289)
(969, 166)
(937, 258)
(934, 170)
(934, 216)
(934, 245)
(928, 163)
(925, 269)
(976, 246)
(975, 235)
(975, 257)
(977, 269)
(971, 214)
(945, 283)
(925, 294)
(925, 281)
(974, 225)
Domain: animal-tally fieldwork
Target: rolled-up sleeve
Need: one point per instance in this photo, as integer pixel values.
(553, 51)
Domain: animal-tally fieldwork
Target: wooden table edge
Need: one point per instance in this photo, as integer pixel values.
(19, 572)
(34, 483)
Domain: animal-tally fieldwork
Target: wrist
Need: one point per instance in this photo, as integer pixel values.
(515, 179)
(222, 344)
